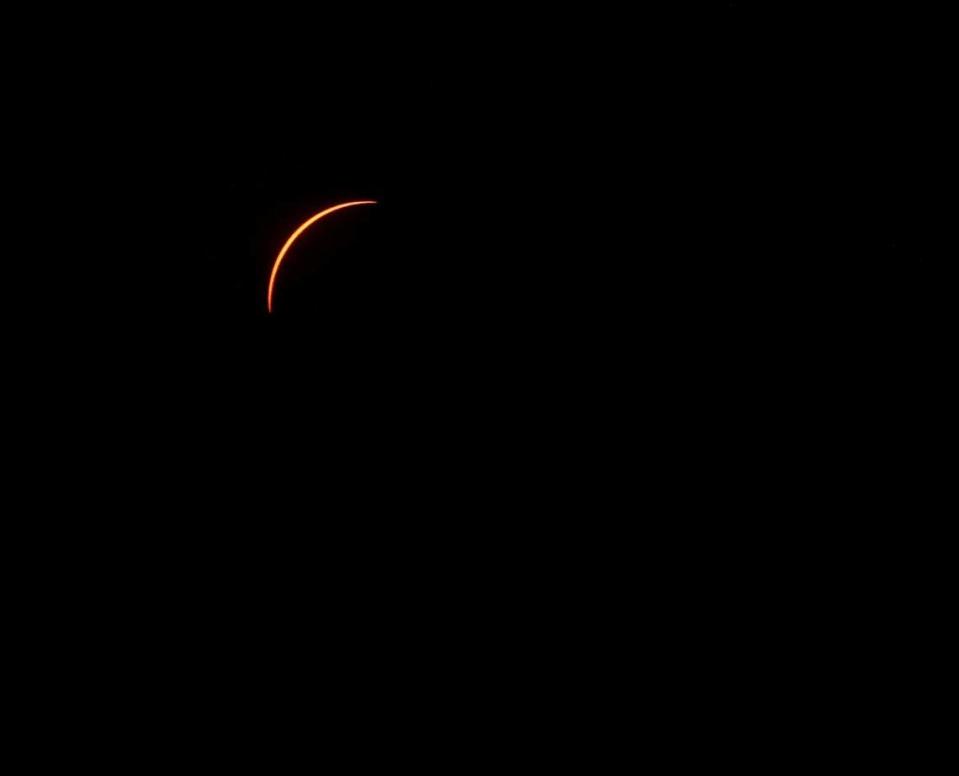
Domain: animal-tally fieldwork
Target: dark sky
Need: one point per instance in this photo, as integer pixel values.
(648, 318)
(573, 211)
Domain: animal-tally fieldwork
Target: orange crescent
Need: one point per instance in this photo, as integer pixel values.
(292, 239)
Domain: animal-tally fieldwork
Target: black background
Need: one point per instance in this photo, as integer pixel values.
(629, 271)
(594, 235)
(603, 248)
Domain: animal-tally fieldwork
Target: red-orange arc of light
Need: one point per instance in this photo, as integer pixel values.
(299, 230)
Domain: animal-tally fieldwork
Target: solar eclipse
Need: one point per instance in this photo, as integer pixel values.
(296, 234)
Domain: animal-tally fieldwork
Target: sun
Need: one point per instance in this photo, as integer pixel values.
(293, 237)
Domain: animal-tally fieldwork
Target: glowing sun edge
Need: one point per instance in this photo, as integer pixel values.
(302, 228)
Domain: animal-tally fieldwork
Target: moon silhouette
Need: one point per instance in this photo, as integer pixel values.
(293, 237)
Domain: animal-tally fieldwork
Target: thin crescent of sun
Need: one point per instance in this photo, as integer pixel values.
(299, 230)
